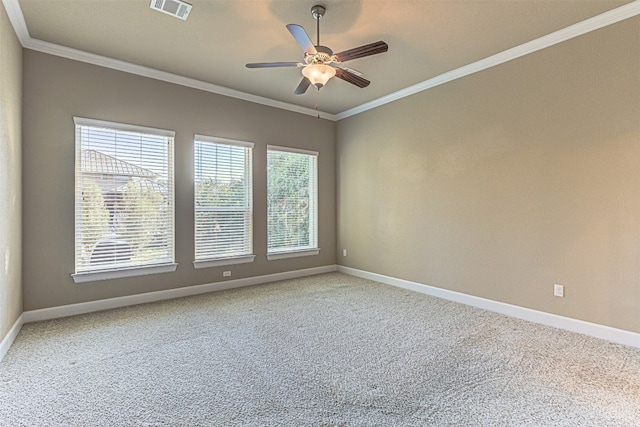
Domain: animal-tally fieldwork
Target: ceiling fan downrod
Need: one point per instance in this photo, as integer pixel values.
(318, 12)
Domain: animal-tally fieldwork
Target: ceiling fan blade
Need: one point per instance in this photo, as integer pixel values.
(352, 78)
(303, 86)
(349, 69)
(362, 51)
(302, 38)
(272, 64)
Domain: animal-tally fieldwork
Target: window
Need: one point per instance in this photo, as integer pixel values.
(124, 205)
(292, 203)
(223, 202)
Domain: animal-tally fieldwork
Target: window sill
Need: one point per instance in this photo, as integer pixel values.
(94, 276)
(244, 259)
(292, 254)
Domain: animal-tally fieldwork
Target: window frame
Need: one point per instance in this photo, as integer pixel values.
(313, 248)
(235, 259)
(116, 272)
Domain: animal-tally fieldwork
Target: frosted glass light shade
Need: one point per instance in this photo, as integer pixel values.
(318, 74)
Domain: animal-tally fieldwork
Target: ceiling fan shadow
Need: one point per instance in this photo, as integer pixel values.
(344, 14)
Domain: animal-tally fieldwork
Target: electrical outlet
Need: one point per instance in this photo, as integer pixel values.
(226, 274)
(344, 252)
(558, 290)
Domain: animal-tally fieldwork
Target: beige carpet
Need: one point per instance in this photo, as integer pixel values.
(328, 350)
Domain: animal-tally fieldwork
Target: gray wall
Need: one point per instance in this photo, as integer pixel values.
(507, 181)
(497, 185)
(10, 166)
(57, 89)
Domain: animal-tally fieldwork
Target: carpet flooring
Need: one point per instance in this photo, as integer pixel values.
(326, 350)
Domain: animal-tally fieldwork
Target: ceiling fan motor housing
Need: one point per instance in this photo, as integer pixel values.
(324, 56)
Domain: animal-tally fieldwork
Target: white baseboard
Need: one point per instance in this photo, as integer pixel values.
(11, 336)
(619, 336)
(106, 304)
(592, 329)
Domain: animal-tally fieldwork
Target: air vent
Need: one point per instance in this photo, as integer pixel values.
(176, 8)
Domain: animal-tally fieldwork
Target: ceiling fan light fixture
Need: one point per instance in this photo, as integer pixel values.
(318, 74)
(320, 64)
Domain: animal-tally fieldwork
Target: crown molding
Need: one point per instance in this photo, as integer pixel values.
(613, 16)
(128, 67)
(14, 12)
(20, 27)
(599, 21)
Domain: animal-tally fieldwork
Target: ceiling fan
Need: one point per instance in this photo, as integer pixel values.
(320, 63)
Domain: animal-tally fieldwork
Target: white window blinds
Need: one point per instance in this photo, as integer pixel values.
(124, 206)
(292, 200)
(223, 199)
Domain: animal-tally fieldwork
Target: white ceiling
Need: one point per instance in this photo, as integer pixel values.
(429, 41)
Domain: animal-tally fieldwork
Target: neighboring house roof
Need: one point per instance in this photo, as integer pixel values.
(97, 162)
